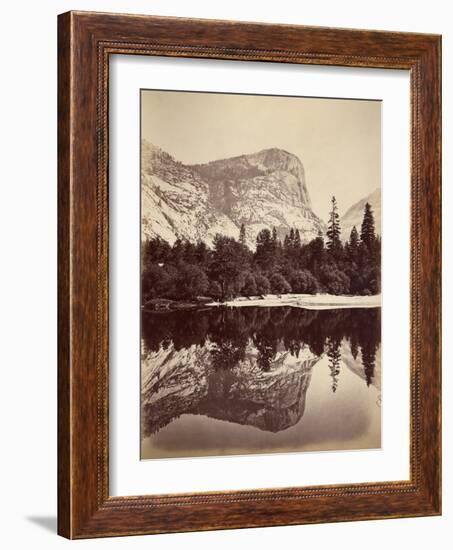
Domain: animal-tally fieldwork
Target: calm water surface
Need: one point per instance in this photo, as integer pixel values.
(245, 380)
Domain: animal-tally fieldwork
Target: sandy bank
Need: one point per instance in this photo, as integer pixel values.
(305, 301)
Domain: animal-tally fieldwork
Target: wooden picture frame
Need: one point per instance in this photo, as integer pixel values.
(85, 42)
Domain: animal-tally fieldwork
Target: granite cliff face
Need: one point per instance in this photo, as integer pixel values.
(186, 381)
(262, 190)
(354, 216)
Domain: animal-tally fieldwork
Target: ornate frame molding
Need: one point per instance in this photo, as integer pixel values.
(86, 40)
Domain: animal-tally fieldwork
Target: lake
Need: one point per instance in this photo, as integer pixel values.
(233, 381)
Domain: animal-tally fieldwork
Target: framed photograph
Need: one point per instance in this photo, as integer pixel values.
(249, 275)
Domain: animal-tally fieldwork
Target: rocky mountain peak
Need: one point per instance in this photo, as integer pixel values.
(275, 160)
(260, 190)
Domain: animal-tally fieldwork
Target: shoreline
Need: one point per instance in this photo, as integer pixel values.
(304, 301)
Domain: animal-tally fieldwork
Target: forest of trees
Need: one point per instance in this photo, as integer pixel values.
(230, 269)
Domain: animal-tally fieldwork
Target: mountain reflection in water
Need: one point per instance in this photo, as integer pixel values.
(236, 380)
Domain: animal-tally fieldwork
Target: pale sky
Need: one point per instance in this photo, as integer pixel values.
(337, 140)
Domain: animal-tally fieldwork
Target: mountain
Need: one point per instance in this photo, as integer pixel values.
(262, 190)
(189, 381)
(354, 215)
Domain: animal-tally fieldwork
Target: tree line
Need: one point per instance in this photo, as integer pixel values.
(186, 270)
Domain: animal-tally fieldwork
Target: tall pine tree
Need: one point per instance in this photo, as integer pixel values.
(353, 244)
(354, 238)
(367, 233)
(333, 232)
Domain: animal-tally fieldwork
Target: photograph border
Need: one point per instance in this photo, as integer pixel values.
(85, 42)
(269, 451)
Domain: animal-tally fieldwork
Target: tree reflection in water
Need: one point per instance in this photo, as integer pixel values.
(249, 365)
(334, 355)
(269, 330)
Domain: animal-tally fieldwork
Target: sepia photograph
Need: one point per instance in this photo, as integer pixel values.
(249, 254)
(260, 274)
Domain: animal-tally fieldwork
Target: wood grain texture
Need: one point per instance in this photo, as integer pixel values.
(64, 391)
(86, 40)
